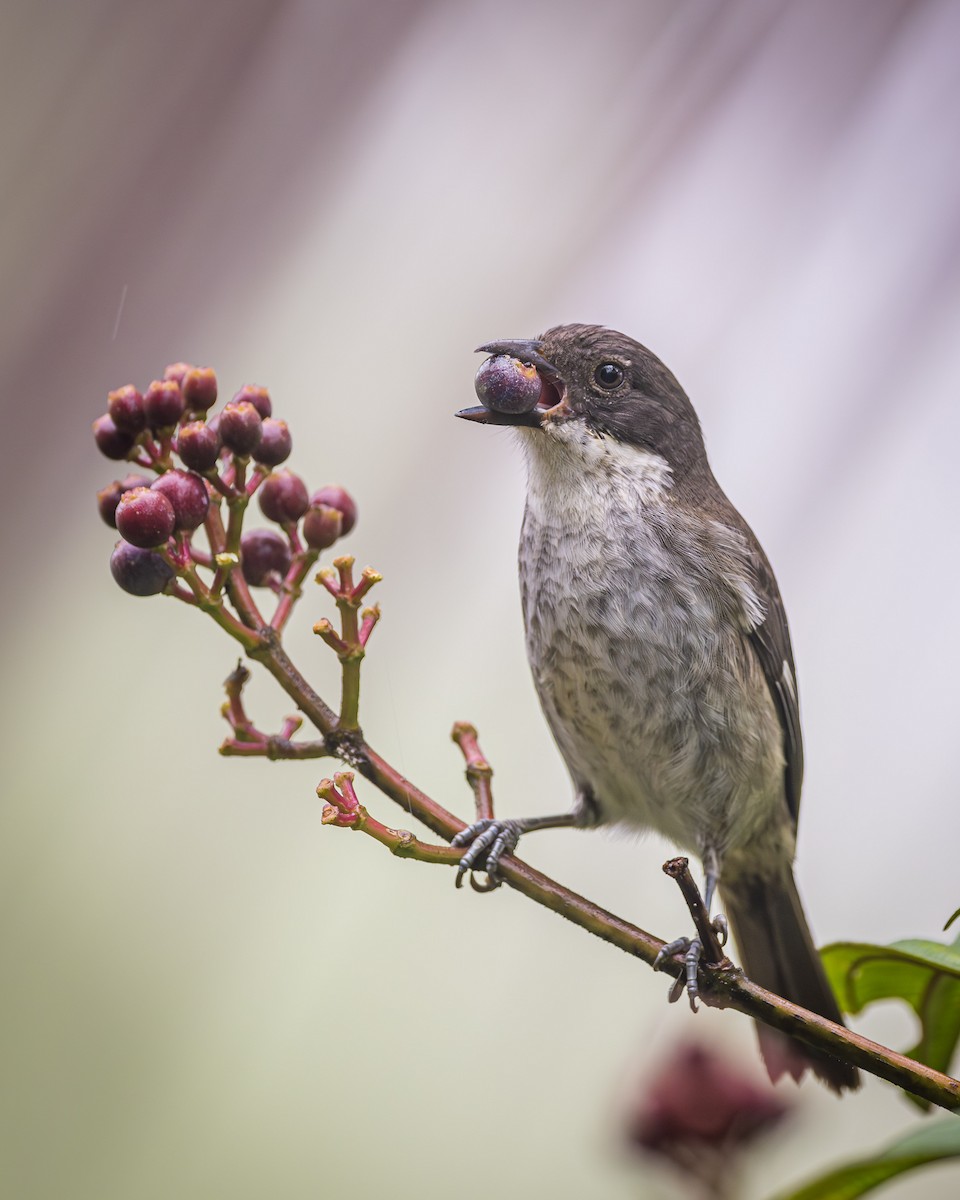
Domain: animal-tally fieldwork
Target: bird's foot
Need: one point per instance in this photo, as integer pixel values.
(487, 841)
(692, 951)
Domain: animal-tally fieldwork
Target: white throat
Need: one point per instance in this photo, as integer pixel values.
(572, 472)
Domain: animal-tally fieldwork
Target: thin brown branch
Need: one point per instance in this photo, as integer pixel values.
(249, 741)
(293, 587)
(274, 748)
(479, 772)
(350, 644)
(679, 869)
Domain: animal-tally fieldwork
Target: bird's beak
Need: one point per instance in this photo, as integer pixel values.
(553, 387)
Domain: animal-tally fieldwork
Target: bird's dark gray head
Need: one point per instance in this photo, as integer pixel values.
(609, 386)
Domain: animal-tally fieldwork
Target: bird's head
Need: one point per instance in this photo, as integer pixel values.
(598, 384)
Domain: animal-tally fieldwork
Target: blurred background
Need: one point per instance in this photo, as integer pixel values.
(208, 994)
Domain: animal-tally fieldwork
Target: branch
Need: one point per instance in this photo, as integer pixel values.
(724, 987)
(249, 741)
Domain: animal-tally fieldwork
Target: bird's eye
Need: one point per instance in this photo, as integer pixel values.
(609, 375)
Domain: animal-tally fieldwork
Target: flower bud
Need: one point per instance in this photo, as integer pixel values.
(163, 402)
(257, 396)
(125, 407)
(176, 372)
(199, 387)
(112, 442)
(145, 517)
(188, 497)
(198, 445)
(139, 572)
(283, 497)
(322, 526)
(275, 443)
(109, 497)
(262, 554)
(334, 496)
(240, 427)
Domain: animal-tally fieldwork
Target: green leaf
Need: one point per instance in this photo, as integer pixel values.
(950, 920)
(931, 1143)
(926, 975)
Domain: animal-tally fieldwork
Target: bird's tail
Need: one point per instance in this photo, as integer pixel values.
(778, 953)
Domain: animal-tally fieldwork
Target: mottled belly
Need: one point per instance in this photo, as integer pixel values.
(654, 699)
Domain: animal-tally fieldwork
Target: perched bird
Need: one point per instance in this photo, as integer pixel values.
(660, 652)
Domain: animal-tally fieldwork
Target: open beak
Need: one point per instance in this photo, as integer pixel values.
(553, 387)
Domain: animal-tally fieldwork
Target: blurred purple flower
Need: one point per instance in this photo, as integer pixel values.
(698, 1112)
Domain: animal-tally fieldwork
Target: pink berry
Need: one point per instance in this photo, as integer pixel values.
(112, 442)
(283, 497)
(275, 443)
(139, 572)
(198, 445)
(145, 517)
(188, 497)
(199, 387)
(177, 371)
(125, 407)
(257, 396)
(109, 497)
(334, 496)
(163, 402)
(263, 553)
(322, 526)
(240, 427)
(506, 385)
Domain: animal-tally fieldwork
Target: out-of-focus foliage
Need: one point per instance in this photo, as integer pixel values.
(929, 1144)
(925, 974)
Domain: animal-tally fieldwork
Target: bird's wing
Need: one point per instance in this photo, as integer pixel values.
(770, 639)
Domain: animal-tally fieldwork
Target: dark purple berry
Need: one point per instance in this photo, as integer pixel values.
(334, 496)
(107, 500)
(283, 497)
(139, 572)
(163, 402)
(262, 553)
(275, 443)
(176, 372)
(240, 427)
(187, 494)
(198, 445)
(322, 526)
(257, 396)
(109, 497)
(125, 407)
(145, 517)
(506, 385)
(199, 387)
(111, 441)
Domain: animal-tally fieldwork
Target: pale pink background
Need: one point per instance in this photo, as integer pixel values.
(207, 993)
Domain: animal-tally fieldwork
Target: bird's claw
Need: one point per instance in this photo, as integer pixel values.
(487, 841)
(692, 951)
(669, 949)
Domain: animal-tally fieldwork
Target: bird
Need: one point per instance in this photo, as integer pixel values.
(661, 656)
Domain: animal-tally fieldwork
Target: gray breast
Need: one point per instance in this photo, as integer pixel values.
(635, 619)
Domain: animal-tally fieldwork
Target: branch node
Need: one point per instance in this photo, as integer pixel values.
(679, 869)
(479, 773)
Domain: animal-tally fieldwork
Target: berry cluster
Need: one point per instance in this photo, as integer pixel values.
(224, 458)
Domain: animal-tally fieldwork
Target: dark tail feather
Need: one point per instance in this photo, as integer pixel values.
(778, 953)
